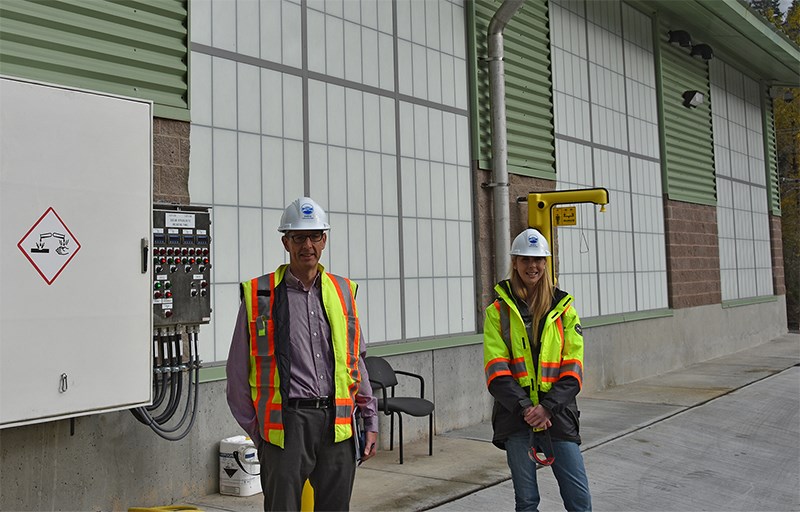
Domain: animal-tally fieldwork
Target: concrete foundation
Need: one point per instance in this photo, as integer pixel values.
(113, 462)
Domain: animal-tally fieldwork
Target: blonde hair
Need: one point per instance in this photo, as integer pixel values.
(542, 298)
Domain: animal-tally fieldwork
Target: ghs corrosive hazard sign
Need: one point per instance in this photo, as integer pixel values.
(49, 245)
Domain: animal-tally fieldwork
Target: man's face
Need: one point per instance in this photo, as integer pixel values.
(304, 248)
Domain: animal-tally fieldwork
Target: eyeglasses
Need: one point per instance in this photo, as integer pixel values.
(300, 238)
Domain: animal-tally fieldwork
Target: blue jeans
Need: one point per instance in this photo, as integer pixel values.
(568, 469)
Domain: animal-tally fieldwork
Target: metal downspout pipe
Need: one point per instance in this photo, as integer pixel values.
(497, 86)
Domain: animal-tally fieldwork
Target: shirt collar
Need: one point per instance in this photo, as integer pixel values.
(293, 282)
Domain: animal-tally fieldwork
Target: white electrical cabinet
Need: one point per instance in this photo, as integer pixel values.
(75, 212)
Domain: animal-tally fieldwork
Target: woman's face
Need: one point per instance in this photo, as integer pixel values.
(530, 269)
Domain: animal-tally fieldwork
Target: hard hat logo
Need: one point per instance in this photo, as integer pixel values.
(307, 209)
(533, 239)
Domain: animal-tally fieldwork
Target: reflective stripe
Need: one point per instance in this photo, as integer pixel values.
(505, 324)
(550, 371)
(497, 368)
(572, 368)
(518, 368)
(344, 411)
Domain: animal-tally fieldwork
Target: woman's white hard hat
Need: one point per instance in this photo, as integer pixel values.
(304, 214)
(530, 243)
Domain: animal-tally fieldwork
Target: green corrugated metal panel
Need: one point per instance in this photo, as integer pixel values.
(126, 47)
(771, 154)
(688, 144)
(529, 104)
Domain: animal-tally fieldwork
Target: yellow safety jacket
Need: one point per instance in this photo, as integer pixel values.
(268, 319)
(507, 349)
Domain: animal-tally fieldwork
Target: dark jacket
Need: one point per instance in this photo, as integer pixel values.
(511, 400)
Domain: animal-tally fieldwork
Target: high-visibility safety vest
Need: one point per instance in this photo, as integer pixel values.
(507, 349)
(267, 306)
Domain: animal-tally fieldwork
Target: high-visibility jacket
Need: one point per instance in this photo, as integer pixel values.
(267, 306)
(507, 353)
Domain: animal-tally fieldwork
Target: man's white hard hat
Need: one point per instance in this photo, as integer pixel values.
(304, 214)
(530, 243)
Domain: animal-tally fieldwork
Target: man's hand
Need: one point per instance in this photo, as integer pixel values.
(537, 417)
(371, 446)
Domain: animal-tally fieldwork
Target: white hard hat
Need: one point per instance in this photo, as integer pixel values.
(530, 243)
(304, 214)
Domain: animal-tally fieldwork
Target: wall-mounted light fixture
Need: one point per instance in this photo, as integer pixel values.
(680, 37)
(703, 51)
(693, 98)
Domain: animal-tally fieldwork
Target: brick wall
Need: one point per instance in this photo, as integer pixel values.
(693, 276)
(170, 161)
(776, 245)
(519, 186)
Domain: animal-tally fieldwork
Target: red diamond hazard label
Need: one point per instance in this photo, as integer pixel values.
(49, 245)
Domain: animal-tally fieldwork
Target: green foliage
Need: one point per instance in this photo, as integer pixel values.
(770, 9)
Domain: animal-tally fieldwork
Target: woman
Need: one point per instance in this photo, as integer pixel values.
(533, 357)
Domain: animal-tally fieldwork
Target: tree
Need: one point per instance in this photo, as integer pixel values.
(787, 139)
(770, 9)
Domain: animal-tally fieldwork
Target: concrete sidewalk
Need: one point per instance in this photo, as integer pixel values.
(718, 435)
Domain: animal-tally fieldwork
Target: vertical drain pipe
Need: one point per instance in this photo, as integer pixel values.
(497, 85)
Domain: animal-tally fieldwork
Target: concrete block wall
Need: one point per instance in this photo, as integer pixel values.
(170, 161)
(776, 247)
(112, 462)
(454, 382)
(622, 353)
(693, 275)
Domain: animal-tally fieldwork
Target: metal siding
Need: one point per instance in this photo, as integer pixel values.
(130, 48)
(689, 148)
(771, 153)
(529, 104)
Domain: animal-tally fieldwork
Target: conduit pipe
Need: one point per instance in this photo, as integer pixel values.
(497, 87)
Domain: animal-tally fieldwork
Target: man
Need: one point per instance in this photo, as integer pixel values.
(296, 371)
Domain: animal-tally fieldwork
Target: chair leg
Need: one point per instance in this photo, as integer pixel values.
(430, 436)
(400, 422)
(391, 432)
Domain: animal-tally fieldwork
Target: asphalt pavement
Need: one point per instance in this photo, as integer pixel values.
(721, 435)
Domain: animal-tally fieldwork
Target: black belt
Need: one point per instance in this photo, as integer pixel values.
(320, 402)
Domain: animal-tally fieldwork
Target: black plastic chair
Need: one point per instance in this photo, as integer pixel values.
(382, 376)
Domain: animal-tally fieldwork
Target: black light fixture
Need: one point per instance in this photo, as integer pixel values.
(703, 51)
(680, 37)
(693, 98)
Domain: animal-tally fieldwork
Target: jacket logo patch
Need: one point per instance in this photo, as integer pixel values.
(578, 329)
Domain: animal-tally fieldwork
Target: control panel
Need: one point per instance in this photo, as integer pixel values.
(181, 265)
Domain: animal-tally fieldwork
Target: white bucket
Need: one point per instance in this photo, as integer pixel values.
(232, 480)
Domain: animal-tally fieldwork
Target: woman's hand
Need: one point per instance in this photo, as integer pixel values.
(537, 417)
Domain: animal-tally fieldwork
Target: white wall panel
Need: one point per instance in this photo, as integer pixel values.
(249, 164)
(257, 164)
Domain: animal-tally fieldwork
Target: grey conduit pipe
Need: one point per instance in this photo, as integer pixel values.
(497, 86)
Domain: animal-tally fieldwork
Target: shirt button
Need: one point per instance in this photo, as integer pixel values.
(321, 377)
(317, 355)
(315, 334)
(312, 313)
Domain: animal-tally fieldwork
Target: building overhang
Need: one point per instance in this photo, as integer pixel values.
(738, 35)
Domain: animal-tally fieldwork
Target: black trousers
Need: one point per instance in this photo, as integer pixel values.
(309, 453)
